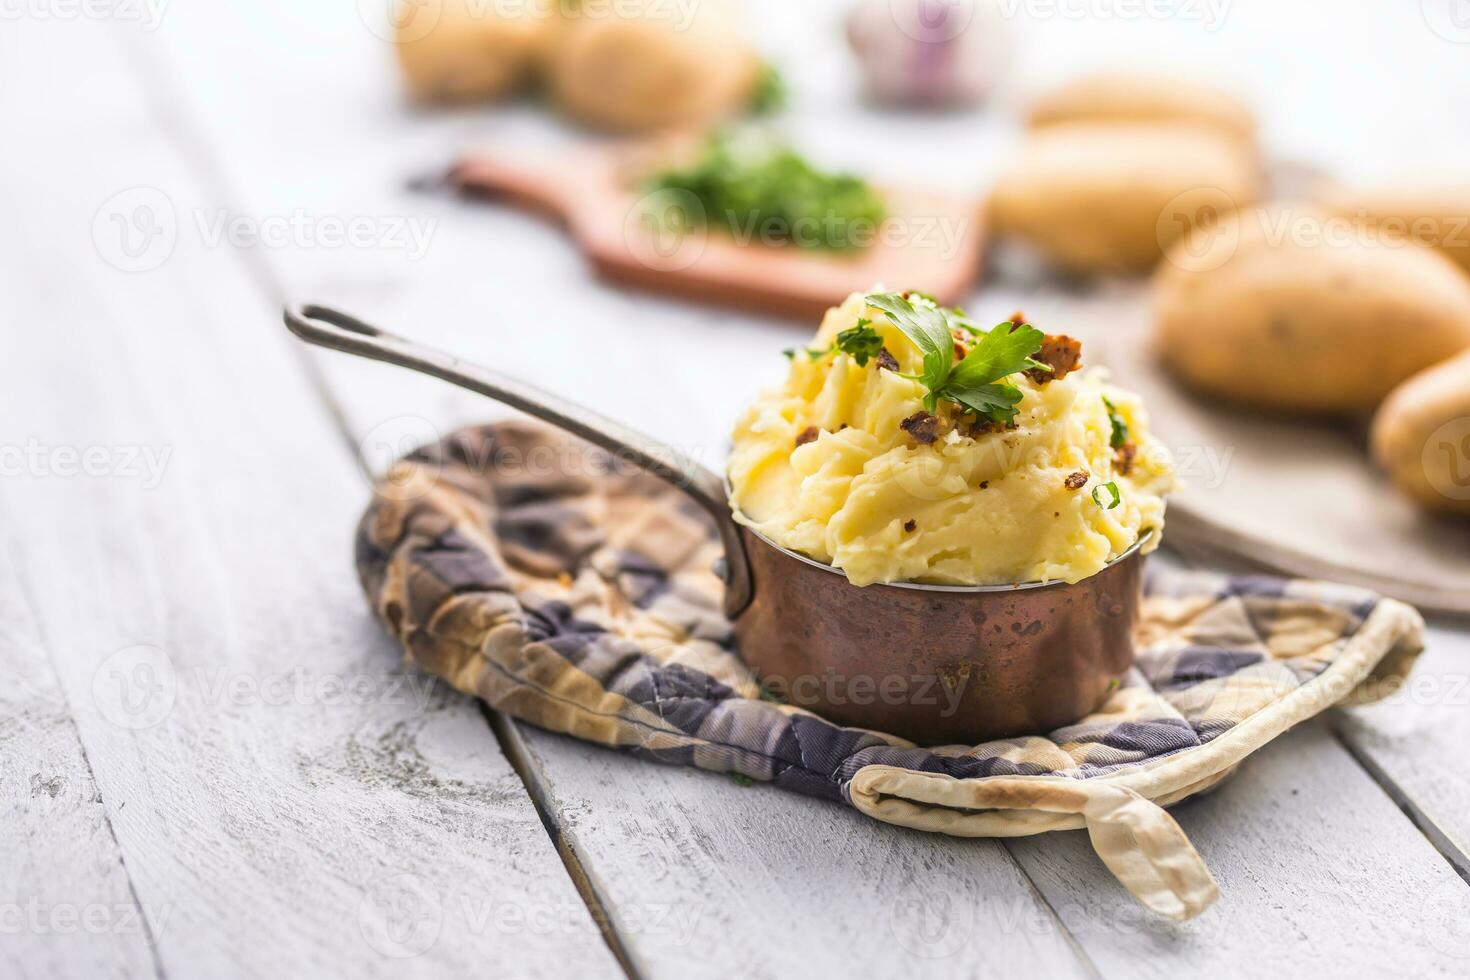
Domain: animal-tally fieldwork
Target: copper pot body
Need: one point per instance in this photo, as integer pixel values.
(934, 664)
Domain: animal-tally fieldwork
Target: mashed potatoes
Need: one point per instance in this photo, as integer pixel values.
(823, 465)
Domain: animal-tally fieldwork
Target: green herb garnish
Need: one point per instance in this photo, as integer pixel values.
(741, 779)
(1115, 499)
(861, 343)
(760, 190)
(978, 381)
(1119, 437)
(769, 94)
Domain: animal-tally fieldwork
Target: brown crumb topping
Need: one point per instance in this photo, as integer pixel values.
(975, 426)
(886, 361)
(1123, 457)
(1061, 353)
(922, 426)
(910, 524)
(1076, 481)
(809, 434)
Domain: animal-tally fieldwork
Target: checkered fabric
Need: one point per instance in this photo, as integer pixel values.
(573, 592)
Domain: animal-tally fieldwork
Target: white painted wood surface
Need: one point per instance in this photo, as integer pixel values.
(286, 801)
(59, 861)
(760, 880)
(276, 109)
(1320, 875)
(1413, 742)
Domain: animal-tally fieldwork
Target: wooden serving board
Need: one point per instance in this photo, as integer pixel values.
(930, 241)
(1301, 498)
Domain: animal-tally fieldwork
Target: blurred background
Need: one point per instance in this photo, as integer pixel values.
(273, 113)
(164, 156)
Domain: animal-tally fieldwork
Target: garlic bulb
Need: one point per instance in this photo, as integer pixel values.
(929, 52)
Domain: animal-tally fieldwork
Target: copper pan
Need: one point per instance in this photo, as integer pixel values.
(936, 664)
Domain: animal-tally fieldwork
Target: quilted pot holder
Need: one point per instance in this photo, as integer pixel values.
(570, 591)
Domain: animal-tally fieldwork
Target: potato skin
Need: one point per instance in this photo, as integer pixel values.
(1429, 212)
(1260, 315)
(1141, 97)
(1421, 437)
(1109, 197)
(467, 52)
(649, 72)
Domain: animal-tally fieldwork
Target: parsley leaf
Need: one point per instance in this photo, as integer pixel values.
(1115, 495)
(761, 190)
(978, 381)
(769, 93)
(1119, 436)
(928, 328)
(958, 318)
(998, 354)
(996, 402)
(861, 341)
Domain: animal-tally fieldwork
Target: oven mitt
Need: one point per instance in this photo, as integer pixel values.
(574, 592)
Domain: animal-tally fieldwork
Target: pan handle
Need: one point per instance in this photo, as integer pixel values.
(326, 327)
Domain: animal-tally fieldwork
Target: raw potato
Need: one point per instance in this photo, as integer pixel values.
(1421, 436)
(653, 70)
(1143, 97)
(1264, 311)
(1103, 197)
(470, 50)
(1433, 213)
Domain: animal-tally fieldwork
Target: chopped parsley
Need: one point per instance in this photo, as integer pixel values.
(978, 382)
(1115, 498)
(763, 191)
(861, 343)
(1119, 437)
(769, 94)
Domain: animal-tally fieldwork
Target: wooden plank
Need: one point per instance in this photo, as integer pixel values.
(286, 799)
(66, 905)
(1413, 743)
(706, 877)
(1321, 876)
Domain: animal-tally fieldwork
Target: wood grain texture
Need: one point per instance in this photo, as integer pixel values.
(755, 879)
(1321, 876)
(66, 905)
(286, 800)
(1413, 743)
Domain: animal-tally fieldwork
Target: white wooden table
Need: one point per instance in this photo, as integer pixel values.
(212, 762)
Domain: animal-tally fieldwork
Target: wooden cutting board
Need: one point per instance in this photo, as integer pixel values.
(1301, 498)
(930, 241)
